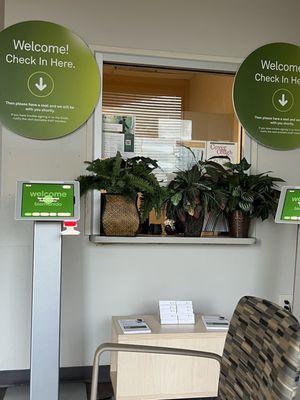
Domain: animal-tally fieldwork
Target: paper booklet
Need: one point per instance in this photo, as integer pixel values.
(215, 322)
(134, 326)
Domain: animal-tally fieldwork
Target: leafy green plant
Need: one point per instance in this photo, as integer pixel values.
(194, 192)
(255, 195)
(129, 177)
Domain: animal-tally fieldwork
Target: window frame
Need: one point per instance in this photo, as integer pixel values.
(145, 58)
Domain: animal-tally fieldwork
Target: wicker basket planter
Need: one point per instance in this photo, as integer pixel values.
(119, 215)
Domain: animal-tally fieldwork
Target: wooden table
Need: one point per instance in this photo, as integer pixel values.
(151, 377)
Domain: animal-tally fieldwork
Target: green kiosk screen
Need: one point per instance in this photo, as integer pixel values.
(47, 200)
(291, 205)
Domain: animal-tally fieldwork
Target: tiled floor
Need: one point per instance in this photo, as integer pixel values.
(104, 389)
(68, 391)
(105, 393)
(16, 393)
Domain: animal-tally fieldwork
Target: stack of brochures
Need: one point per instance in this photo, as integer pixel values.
(134, 326)
(176, 312)
(215, 323)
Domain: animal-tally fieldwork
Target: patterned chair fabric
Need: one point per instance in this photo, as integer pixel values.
(261, 359)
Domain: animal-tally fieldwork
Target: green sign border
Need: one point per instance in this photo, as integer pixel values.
(245, 89)
(76, 86)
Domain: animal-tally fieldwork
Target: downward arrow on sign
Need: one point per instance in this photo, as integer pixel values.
(41, 85)
(283, 101)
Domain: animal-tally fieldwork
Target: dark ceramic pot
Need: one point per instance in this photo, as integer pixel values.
(193, 225)
(238, 224)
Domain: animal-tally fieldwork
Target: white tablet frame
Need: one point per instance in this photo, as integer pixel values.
(278, 219)
(19, 192)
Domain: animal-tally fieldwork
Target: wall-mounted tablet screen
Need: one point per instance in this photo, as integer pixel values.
(56, 201)
(288, 210)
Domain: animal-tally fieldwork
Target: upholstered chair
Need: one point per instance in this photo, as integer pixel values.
(261, 358)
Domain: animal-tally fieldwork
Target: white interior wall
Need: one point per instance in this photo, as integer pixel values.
(99, 282)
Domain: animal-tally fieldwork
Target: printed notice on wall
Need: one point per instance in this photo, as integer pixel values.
(118, 135)
(228, 150)
(49, 80)
(267, 95)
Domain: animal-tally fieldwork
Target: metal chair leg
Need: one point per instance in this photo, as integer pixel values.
(141, 349)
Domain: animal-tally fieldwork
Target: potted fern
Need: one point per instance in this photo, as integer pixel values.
(194, 192)
(120, 182)
(248, 196)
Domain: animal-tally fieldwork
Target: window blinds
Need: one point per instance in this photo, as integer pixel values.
(148, 110)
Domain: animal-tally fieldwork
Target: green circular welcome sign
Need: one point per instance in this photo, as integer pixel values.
(49, 80)
(266, 95)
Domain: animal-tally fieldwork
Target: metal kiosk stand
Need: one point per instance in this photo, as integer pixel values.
(288, 212)
(48, 204)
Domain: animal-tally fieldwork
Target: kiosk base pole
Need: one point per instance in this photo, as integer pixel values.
(45, 319)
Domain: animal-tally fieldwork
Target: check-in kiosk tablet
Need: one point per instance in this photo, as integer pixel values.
(47, 204)
(48, 201)
(288, 211)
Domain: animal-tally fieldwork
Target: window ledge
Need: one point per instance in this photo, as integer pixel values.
(170, 240)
